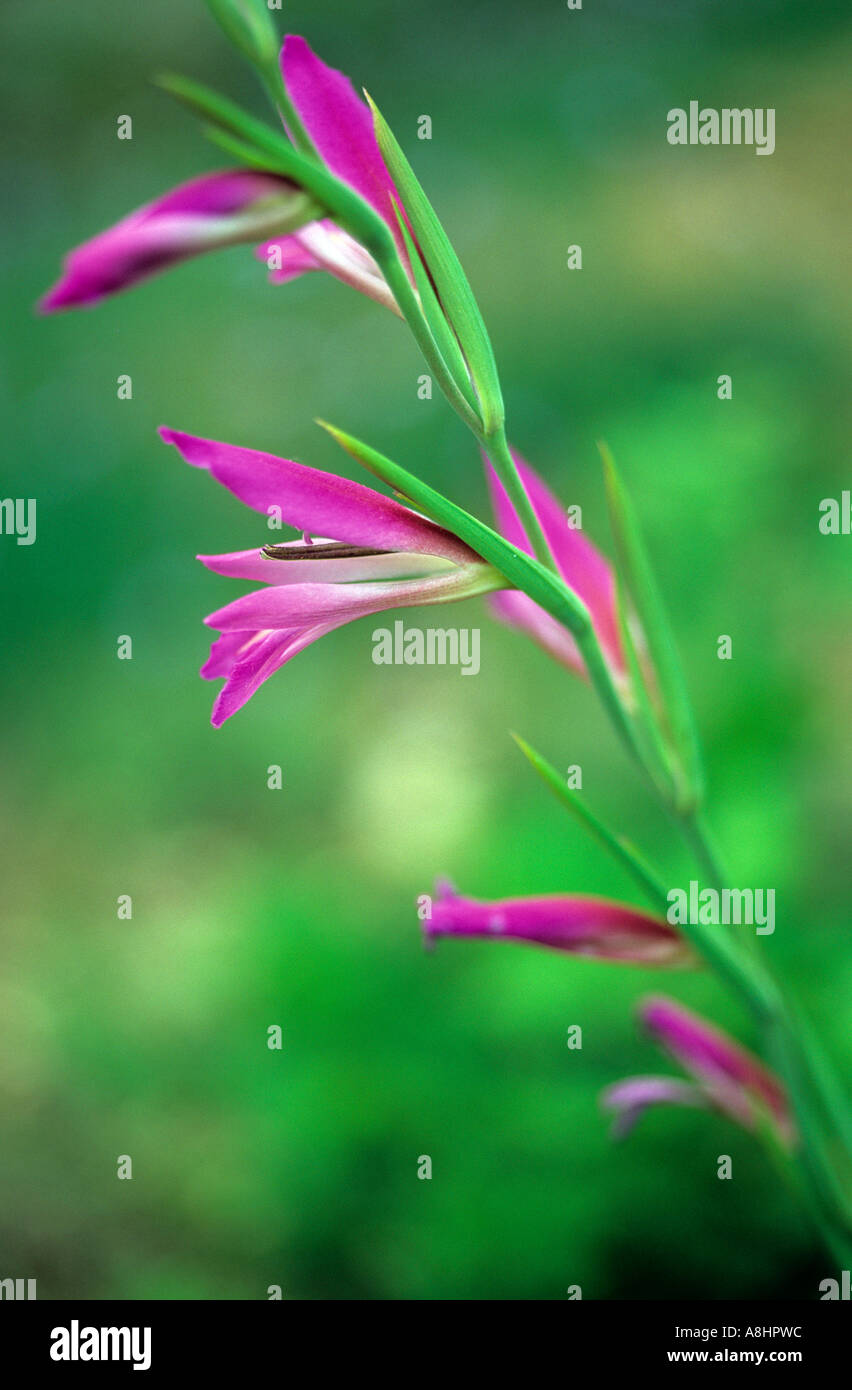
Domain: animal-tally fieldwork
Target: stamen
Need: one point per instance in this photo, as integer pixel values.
(330, 550)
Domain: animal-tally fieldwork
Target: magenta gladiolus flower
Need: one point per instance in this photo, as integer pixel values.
(221, 209)
(582, 926)
(726, 1076)
(341, 127)
(381, 555)
(581, 566)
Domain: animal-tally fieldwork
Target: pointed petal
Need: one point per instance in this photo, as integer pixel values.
(318, 502)
(324, 246)
(340, 126)
(304, 605)
(259, 659)
(580, 564)
(215, 210)
(629, 1099)
(583, 926)
(224, 652)
(294, 258)
(732, 1076)
(519, 610)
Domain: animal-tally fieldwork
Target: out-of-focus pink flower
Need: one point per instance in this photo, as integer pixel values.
(725, 1076)
(381, 555)
(241, 205)
(221, 209)
(580, 564)
(579, 925)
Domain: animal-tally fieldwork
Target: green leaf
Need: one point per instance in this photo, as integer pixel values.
(624, 852)
(239, 149)
(451, 284)
(655, 750)
(443, 335)
(640, 588)
(205, 102)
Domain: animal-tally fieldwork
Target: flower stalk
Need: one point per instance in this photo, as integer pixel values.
(336, 192)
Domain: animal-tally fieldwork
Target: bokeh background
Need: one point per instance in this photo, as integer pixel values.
(254, 907)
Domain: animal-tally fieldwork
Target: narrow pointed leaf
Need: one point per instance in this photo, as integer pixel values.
(520, 569)
(244, 152)
(445, 339)
(450, 281)
(720, 950)
(649, 735)
(623, 851)
(641, 588)
(205, 102)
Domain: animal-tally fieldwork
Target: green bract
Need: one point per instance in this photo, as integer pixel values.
(669, 702)
(451, 286)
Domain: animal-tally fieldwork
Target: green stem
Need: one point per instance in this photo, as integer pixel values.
(698, 836)
(747, 976)
(815, 1094)
(497, 448)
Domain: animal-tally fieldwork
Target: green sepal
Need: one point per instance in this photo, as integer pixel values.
(626, 853)
(656, 755)
(239, 149)
(451, 284)
(641, 591)
(445, 339)
(223, 112)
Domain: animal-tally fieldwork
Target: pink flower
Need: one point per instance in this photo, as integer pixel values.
(216, 210)
(382, 556)
(581, 926)
(581, 566)
(340, 126)
(726, 1076)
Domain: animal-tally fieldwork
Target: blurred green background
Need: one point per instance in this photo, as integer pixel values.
(255, 907)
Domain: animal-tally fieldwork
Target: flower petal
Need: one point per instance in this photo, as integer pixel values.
(341, 128)
(629, 1099)
(304, 605)
(581, 565)
(583, 926)
(224, 652)
(293, 256)
(260, 657)
(732, 1076)
(519, 610)
(325, 246)
(317, 502)
(220, 209)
